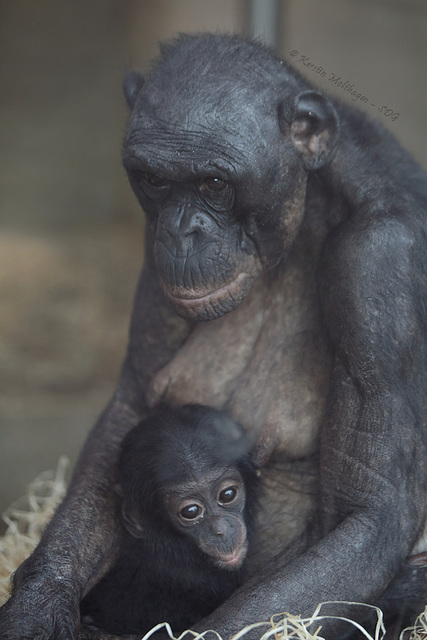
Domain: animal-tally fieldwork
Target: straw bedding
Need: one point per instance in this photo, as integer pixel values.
(27, 518)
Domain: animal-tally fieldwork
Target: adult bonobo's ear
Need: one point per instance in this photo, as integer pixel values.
(132, 85)
(314, 128)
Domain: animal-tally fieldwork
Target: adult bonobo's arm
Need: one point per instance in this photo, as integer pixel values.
(79, 539)
(373, 454)
(79, 543)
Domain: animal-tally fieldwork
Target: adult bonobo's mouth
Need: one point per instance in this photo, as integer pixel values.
(198, 305)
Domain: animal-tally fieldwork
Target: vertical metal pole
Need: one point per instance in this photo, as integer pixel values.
(264, 20)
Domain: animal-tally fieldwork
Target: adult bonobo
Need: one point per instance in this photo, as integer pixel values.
(285, 282)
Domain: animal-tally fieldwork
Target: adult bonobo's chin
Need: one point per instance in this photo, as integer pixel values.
(295, 229)
(218, 158)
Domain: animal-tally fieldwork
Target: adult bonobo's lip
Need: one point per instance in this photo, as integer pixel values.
(214, 304)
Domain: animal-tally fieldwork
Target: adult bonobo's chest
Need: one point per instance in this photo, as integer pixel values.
(266, 363)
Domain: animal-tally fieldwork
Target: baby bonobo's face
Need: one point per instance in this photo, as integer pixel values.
(210, 510)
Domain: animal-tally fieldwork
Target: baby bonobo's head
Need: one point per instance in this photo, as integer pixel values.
(190, 469)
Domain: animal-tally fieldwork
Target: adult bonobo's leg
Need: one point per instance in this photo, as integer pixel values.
(79, 543)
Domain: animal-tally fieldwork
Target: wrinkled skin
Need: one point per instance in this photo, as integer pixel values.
(285, 282)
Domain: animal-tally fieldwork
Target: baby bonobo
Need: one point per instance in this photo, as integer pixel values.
(188, 489)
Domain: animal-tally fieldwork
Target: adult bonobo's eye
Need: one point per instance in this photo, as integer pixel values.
(215, 185)
(191, 512)
(153, 180)
(227, 495)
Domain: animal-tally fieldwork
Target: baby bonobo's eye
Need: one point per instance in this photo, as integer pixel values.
(227, 495)
(191, 512)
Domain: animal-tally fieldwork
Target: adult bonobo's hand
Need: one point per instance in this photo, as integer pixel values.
(42, 609)
(38, 615)
(79, 542)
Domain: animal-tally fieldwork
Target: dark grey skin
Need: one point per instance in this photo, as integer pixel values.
(284, 282)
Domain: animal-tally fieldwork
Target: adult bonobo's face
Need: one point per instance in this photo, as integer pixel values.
(218, 157)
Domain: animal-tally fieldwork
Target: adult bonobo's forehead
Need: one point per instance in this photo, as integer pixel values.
(210, 97)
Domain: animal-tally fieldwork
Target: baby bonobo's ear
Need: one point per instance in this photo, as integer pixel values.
(118, 490)
(132, 85)
(131, 521)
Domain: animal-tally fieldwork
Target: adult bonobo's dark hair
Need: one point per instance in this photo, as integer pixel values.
(284, 282)
(189, 490)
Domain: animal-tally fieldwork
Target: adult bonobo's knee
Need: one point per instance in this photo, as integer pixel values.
(284, 282)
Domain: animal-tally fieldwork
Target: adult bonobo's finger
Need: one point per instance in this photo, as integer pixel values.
(408, 591)
(42, 615)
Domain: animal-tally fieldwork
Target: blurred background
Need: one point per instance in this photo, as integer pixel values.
(70, 230)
